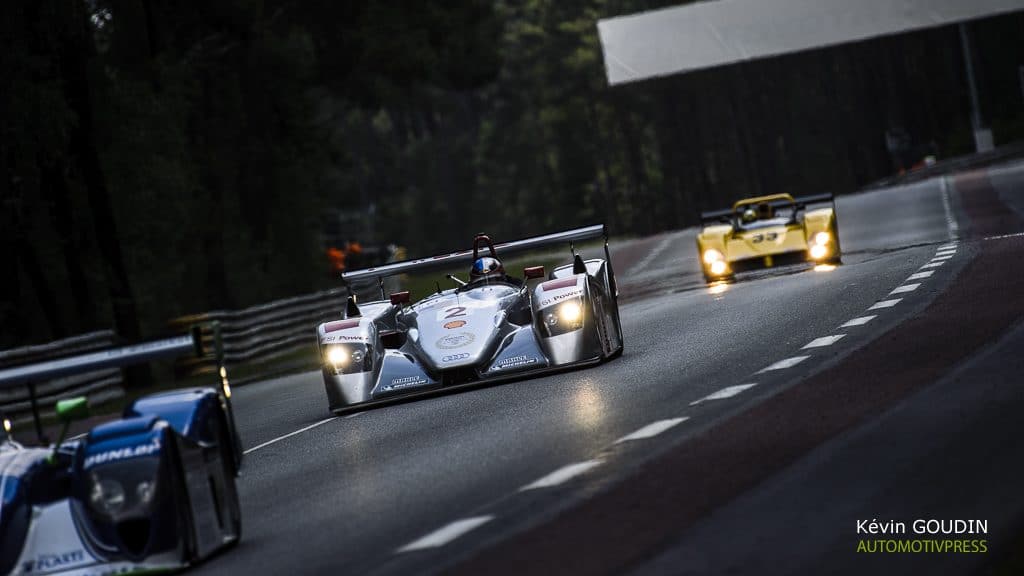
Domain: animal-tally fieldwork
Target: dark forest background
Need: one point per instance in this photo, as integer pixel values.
(165, 157)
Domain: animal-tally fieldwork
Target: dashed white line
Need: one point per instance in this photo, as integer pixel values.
(724, 393)
(290, 434)
(562, 475)
(786, 363)
(652, 429)
(951, 224)
(905, 288)
(947, 247)
(941, 258)
(921, 275)
(859, 321)
(824, 341)
(1002, 236)
(946, 252)
(446, 534)
(885, 304)
(934, 264)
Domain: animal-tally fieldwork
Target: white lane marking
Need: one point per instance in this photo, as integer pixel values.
(824, 341)
(934, 264)
(290, 434)
(353, 415)
(947, 247)
(885, 304)
(946, 254)
(859, 321)
(1002, 236)
(951, 224)
(905, 288)
(787, 363)
(941, 258)
(446, 534)
(724, 393)
(650, 257)
(652, 429)
(921, 275)
(562, 475)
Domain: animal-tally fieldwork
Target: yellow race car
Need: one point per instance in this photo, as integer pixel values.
(768, 231)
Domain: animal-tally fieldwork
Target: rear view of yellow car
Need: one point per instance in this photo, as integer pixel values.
(768, 231)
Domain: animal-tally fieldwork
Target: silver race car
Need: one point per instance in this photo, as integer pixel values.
(492, 327)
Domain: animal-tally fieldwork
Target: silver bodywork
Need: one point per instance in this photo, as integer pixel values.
(480, 332)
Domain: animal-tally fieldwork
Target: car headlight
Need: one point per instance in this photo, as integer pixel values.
(711, 256)
(822, 238)
(337, 355)
(562, 318)
(106, 496)
(124, 489)
(347, 358)
(570, 312)
(718, 267)
(819, 251)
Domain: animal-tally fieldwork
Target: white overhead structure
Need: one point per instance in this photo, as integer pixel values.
(719, 32)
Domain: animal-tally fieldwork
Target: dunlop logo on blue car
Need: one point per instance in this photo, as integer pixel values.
(123, 453)
(515, 361)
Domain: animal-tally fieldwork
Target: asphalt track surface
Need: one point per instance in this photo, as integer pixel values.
(746, 429)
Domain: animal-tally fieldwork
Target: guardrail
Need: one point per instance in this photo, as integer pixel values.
(31, 376)
(100, 384)
(264, 331)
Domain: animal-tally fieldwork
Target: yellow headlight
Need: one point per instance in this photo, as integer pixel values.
(337, 355)
(822, 238)
(711, 256)
(718, 267)
(570, 312)
(818, 251)
(7, 425)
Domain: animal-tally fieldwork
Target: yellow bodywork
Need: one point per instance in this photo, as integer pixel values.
(761, 244)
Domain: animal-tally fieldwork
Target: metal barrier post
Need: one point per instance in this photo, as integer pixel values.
(35, 413)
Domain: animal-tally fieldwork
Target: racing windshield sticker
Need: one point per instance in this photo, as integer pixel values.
(453, 341)
(454, 312)
(123, 453)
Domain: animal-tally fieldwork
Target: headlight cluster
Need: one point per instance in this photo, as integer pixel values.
(347, 358)
(562, 318)
(819, 245)
(715, 261)
(123, 490)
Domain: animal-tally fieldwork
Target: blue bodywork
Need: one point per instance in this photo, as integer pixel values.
(121, 496)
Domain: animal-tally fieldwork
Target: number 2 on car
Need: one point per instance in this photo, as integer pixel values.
(453, 312)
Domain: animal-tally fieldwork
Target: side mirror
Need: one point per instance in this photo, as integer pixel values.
(400, 298)
(533, 272)
(73, 409)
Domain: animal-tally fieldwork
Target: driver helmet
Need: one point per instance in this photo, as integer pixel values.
(765, 211)
(486, 268)
(749, 215)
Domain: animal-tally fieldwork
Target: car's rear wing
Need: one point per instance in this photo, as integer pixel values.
(801, 203)
(464, 256)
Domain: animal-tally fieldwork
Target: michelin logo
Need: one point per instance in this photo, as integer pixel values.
(123, 453)
(515, 362)
(47, 562)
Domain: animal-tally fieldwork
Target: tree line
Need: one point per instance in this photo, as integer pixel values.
(166, 157)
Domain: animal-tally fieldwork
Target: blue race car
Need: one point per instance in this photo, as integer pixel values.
(153, 490)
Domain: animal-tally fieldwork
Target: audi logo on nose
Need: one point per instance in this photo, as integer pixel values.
(455, 357)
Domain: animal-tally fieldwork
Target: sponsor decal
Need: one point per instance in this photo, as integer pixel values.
(454, 324)
(405, 382)
(455, 357)
(560, 297)
(513, 362)
(560, 283)
(453, 341)
(47, 562)
(123, 453)
(341, 325)
(344, 338)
